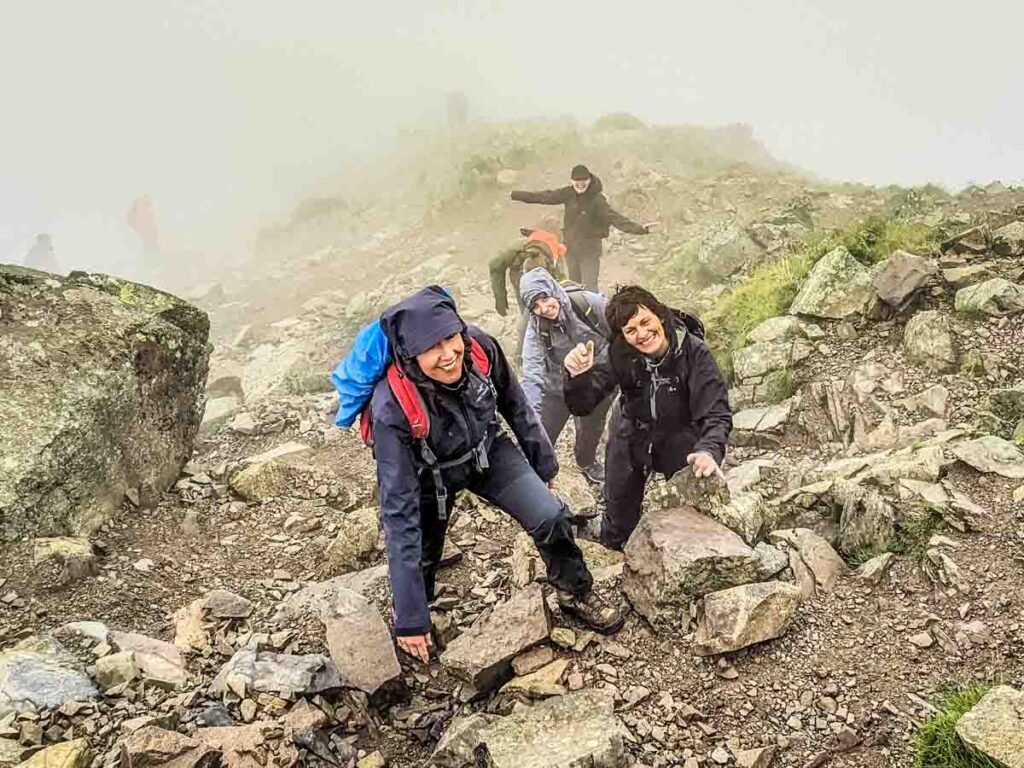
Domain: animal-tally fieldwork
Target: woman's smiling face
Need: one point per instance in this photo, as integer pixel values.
(646, 333)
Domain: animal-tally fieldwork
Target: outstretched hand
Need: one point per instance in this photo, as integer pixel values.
(417, 646)
(580, 359)
(703, 464)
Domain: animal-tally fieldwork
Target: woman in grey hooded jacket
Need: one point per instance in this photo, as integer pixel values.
(555, 328)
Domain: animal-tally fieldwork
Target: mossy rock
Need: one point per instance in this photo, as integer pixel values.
(101, 390)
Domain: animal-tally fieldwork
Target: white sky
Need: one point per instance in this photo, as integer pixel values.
(224, 111)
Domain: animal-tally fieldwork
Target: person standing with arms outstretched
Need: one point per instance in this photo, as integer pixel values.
(585, 225)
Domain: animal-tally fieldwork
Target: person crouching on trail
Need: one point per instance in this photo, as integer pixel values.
(561, 318)
(540, 249)
(418, 479)
(673, 410)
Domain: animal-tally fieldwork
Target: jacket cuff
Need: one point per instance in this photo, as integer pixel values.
(411, 631)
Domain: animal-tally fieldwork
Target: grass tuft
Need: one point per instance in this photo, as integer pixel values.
(912, 538)
(938, 746)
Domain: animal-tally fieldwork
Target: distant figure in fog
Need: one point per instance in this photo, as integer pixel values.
(143, 221)
(40, 256)
(587, 219)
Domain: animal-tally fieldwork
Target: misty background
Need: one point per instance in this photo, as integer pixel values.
(226, 113)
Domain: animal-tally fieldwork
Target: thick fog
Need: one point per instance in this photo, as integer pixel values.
(224, 112)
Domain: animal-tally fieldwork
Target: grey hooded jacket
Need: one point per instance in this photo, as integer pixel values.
(547, 342)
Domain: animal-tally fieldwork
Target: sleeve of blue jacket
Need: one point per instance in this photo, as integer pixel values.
(357, 375)
(399, 490)
(534, 366)
(516, 410)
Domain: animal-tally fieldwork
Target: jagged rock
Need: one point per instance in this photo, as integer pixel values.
(578, 729)
(160, 663)
(1009, 240)
(12, 752)
(457, 747)
(783, 328)
(719, 251)
(962, 277)
(753, 423)
(741, 616)
(358, 542)
(838, 287)
(74, 556)
(359, 642)
(604, 564)
(997, 297)
(67, 754)
(116, 668)
(265, 672)
(758, 359)
(874, 570)
(541, 683)
(685, 489)
(817, 554)
(771, 560)
(261, 482)
(928, 340)
(532, 660)
(39, 673)
(755, 758)
(222, 604)
(482, 655)
(313, 597)
(283, 453)
(101, 390)
(244, 424)
(995, 726)
(867, 520)
(524, 560)
(675, 555)
(944, 570)
(153, 747)
(990, 454)
(1008, 403)
(744, 514)
(572, 487)
(249, 746)
(934, 400)
(902, 277)
(748, 474)
(189, 631)
(217, 413)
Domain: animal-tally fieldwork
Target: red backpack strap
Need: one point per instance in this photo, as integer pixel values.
(366, 425)
(410, 401)
(479, 356)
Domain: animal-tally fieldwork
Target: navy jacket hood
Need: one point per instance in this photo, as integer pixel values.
(416, 324)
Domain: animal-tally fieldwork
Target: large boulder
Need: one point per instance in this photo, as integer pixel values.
(66, 754)
(161, 663)
(745, 615)
(154, 747)
(250, 670)
(902, 277)
(928, 340)
(838, 287)
(995, 726)
(358, 542)
(1008, 403)
(575, 730)
(991, 454)
(359, 642)
(39, 673)
(996, 297)
(763, 357)
(1009, 240)
(676, 555)
(718, 252)
(482, 655)
(816, 554)
(101, 391)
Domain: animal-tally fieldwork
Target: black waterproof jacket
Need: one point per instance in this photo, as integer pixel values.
(462, 418)
(587, 216)
(672, 408)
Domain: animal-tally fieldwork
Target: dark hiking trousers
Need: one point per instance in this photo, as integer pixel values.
(624, 484)
(553, 417)
(512, 486)
(584, 261)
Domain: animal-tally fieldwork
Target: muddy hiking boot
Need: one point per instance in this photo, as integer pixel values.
(593, 610)
(594, 473)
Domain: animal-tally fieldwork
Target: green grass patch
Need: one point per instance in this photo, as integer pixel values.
(766, 292)
(912, 538)
(858, 557)
(938, 746)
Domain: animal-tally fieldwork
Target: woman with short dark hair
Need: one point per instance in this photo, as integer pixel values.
(673, 410)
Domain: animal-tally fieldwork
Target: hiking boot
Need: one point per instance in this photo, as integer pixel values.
(594, 473)
(593, 610)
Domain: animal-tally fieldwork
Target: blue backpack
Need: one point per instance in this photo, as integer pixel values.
(357, 375)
